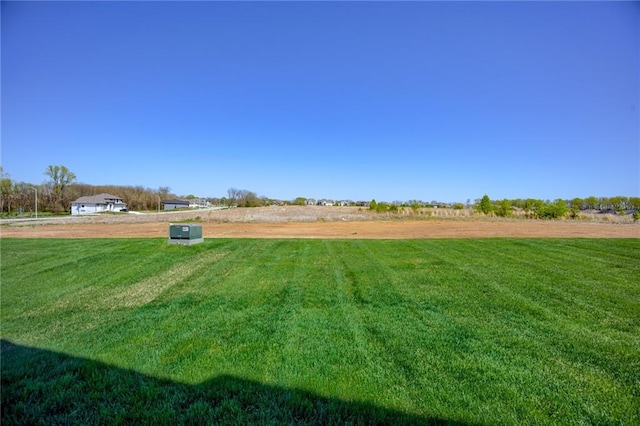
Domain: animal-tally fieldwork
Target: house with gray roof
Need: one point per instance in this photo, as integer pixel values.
(175, 204)
(97, 204)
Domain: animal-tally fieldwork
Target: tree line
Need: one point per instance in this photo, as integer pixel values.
(61, 188)
(541, 209)
(529, 208)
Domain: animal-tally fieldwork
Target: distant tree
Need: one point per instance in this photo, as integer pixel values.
(250, 199)
(484, 205)
(299, 201)
(233, 195)
(604, 203)
(634, 203)
(382, 207)
(619, 202)
(244, 198)
(458, 206)
(373, 205)
(574, 210)
(560, 208)
(592, 203)
(503, 208)
(60, 178)
(554, 210)
(6, 191)
(23, 196)
(518, 202)
(164, 191)
(578, 204)
(532, 207)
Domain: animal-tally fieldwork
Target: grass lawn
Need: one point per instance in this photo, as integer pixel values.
(486, 331)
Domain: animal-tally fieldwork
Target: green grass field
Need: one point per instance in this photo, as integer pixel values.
(471, 331)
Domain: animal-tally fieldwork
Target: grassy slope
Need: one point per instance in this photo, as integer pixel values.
(477, 331)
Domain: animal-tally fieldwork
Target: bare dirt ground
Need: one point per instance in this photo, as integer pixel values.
(319, 222)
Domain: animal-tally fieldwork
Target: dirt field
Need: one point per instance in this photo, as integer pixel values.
(318, 222)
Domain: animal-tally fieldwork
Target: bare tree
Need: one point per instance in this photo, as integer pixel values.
(163, 191)
(234, 195)
(244, 198)
(6, 191)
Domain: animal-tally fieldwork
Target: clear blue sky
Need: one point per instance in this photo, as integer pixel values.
(358, 100)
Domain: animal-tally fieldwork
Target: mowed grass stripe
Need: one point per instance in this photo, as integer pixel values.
(485, 331)
(531, 310)
(323, 336)
(423, 353)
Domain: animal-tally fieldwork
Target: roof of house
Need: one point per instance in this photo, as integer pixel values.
(186, 203)
(98, 199)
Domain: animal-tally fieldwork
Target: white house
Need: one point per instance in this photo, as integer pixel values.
(199, 203)
(97, 203)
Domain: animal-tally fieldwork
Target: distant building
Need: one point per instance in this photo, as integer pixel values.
(97, 204)
(199, 203)
(175, 204)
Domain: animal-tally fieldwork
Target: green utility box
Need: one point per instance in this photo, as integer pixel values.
(186, 234)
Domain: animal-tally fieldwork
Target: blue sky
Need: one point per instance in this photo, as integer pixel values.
(356, 100)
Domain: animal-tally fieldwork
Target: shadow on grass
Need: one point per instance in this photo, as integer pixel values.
(44, 387)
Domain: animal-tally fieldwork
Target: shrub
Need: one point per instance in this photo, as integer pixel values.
(574, 212)
(503, 208)
(382, 207)
(555, 210)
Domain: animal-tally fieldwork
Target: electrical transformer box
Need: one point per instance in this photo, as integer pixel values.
(185, 234)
